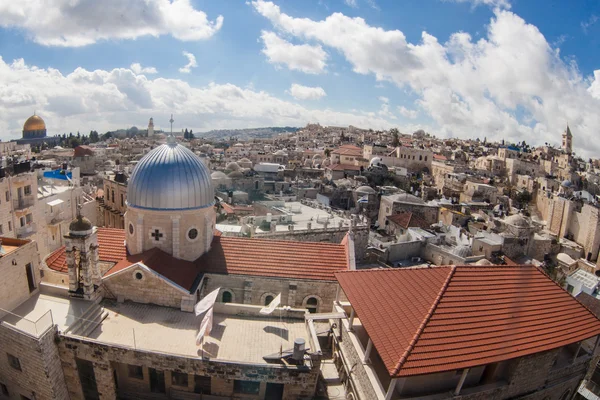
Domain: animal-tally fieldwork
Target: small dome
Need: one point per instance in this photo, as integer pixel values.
(483, 261)
(280, 153)
(565, 258)
(235, 174)
(516, 220)
(233, 166)
(566, 183)
(219, 175)
(34, 123)
(244, 160)
(376, 161)
(170, 177)
(365, 190)
(462, 251)
(80, 226)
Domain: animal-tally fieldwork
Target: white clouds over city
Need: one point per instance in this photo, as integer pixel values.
(187, 68)
(467, 87)
(84, 22)
(306, 92)
(304, 57)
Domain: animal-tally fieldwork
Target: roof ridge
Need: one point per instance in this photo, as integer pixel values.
(424, 323)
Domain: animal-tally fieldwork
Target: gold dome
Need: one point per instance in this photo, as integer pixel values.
(34, 123)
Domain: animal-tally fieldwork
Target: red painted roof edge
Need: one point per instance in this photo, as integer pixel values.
(424, 323)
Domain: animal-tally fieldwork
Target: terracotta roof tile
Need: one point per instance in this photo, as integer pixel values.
(408, 220)
(430, 320)
(111, 248)
(278, 258)
(228, 255)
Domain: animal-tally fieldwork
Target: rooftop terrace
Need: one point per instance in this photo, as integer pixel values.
(163, 329)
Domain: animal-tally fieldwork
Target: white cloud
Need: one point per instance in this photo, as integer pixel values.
(384, 99)
(491, 3)
(407, 113)
(351, 3)
(138, 69)
(306, 92)
(187, 68)
(384, 110)
(306, 58)
(83, 22)
(469, 88)
(585, 25)
(109, 99)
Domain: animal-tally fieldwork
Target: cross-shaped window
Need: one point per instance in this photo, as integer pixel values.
(156, 235)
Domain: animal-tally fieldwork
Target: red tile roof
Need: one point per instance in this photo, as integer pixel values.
(228, 255)
(440, 157)
(185, 274)
(111, 248)
(276, 258)
(429, 320)
(344, 167)
(408, 220)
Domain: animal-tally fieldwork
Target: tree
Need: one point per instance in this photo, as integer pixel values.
(186, 134)
(94, 137)
(192, 135)
(327, 152)
(523, 198)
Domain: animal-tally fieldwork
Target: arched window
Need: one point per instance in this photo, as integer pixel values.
(227, 297)
(311, 305)
(268, 299)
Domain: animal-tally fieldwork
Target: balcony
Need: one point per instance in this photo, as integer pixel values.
(23, 202)
(26, 231)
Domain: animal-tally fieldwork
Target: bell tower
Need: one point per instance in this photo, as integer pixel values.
(82, 258)
(567, 141)
(151, 127)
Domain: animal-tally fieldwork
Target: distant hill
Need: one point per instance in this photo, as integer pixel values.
(244, 134)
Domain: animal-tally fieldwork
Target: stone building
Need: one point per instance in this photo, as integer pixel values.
(456, 334)
(113, 204)
(404, 202)
(114, 317)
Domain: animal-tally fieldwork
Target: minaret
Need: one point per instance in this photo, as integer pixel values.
(567, 141)
(151, 127)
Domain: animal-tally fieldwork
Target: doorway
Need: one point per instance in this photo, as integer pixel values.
(274, 391)
(157, 381)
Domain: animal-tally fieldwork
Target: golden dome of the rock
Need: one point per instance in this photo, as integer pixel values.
(34, 123)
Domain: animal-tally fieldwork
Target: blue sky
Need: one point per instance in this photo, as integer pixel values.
(489, 68)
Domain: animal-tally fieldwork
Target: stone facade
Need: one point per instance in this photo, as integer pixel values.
(254, 290)
(14, 287)
(150, 288)
(299, 382)
(172, 232)
(40, 375)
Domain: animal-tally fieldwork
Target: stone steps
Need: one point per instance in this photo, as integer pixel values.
(91, 318)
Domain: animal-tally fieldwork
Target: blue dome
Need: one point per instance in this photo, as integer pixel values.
(170, 177)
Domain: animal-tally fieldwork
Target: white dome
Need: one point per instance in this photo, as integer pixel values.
(232, 166)
(366, 190)
(170, 177)
(517, 220)
(462, 251)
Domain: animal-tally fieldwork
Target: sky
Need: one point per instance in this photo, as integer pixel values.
(497, 69)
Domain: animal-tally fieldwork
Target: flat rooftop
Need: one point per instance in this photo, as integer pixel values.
(32, 315)
(168, 330)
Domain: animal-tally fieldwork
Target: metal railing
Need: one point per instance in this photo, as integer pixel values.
(34, 328)
(23, 202)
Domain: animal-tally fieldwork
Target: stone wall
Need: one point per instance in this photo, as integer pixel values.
(150, 289)
(173, 234)
(300, 382)
(254, 290)
(41, 375)
(14, 288)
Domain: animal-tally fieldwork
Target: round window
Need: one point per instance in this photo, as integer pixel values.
(138, 275)
(131, 229)
(193, 233)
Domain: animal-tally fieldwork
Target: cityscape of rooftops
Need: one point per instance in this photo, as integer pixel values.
(280, 199)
